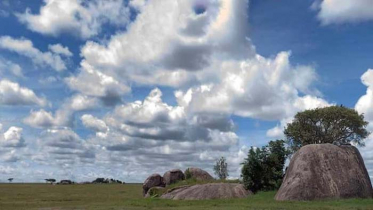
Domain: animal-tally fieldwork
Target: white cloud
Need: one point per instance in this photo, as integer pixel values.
(13, 94)
(65, 147)
(25, 47)
(257, 88)
(12, 138)
(59, 49)
(137, 4)
(79, 17)
(8, 66)
(365, 103)
(40, 119)
(94, 83)
(64, 116)
(93, 123)
(346, 11)
(174, 53)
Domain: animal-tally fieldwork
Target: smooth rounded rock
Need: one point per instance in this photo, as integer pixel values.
(325, 171)
(198, 174)
(173, 176)
(207, 191)
(154, 180)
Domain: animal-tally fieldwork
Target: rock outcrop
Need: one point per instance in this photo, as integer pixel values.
(325, 171)
(207, 191)
(155, 180)
(198, 174)
(173, 176)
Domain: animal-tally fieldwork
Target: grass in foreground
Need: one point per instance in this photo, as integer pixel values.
(129, 196)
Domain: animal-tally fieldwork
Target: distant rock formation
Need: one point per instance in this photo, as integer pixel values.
(207, 191)
(65, 182)
(198, 174)
(325, 171)
(173, 176)
(154, 180)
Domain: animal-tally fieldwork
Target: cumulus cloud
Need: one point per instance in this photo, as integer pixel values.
(59, 49)
(365, 103)
(8, 66)
(347, 11)
(78, 17)
(65, 146)
(64, 116)
(25, 47)
(137, 4)
(13, 94)
(173, 54)
(94, 83)
(153, 119)
(258, 88)
(11, 141)
(12, 138)
(94, 123)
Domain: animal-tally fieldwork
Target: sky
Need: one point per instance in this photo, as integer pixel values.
(126, 88)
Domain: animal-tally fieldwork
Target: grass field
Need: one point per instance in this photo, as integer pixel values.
(129, 196)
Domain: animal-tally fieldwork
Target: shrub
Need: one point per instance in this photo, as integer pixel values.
(263, 168)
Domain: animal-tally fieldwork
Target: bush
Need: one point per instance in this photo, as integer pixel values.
(188, 175)
(263, 168)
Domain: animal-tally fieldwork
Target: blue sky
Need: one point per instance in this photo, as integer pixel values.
(92, 89)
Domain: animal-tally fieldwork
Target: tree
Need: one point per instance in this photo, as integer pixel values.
(10, 179)
(221, 168)
(50, 180)
(263, 168)
(334, 124)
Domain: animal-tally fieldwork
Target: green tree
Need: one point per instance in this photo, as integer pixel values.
(263, 168)
(334, 124)
(221, 168)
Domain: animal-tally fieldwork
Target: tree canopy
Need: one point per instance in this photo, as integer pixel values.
(263, 168)
(221, 168)
(334, 124)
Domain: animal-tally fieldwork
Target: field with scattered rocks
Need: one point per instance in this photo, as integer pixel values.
(129, 196)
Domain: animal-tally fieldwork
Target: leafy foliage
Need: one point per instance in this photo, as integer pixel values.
(221, 168)
(335, 124)
(188, 175)
(263, 168)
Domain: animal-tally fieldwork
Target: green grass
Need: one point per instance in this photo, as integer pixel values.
(129, 196)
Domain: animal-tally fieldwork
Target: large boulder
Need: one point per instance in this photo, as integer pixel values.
(325, 171)
(154, 180)
(173, 176)
(207, 191)
(198, 174)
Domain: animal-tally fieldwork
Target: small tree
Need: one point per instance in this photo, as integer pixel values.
(263, 168)
(334, 124)
(51, 181)
(221, 168)
(10, 180)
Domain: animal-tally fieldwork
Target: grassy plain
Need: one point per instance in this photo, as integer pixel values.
(129, 196)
